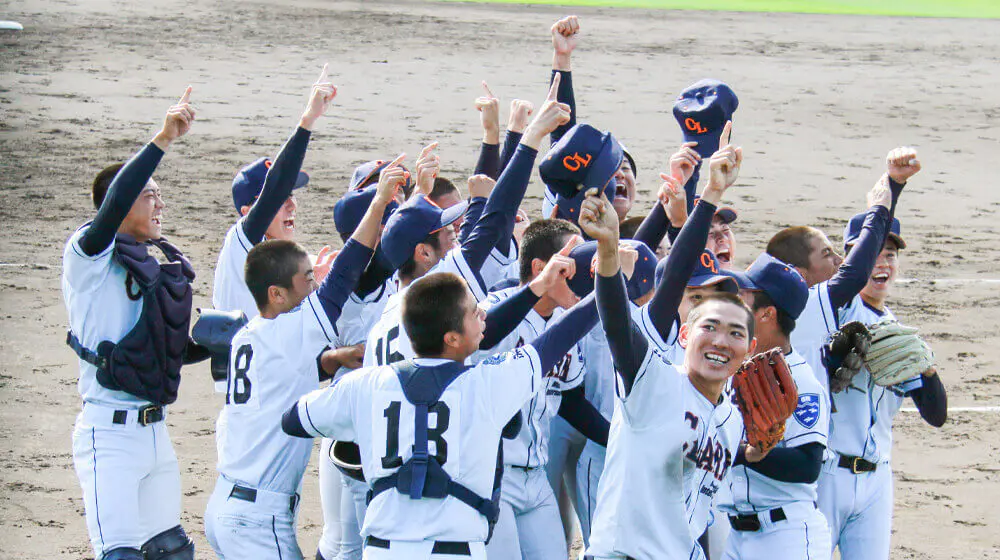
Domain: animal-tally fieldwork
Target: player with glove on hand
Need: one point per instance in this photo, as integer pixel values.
(859, 511)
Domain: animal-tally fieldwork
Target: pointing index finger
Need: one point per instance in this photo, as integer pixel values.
(427, 149)
(322, 75)
(568, 247)
(554, 88)
(396, 161)
(727, 133)
(488, 92)
(186, 98)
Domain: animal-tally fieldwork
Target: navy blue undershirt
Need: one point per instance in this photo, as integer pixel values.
(278, 185)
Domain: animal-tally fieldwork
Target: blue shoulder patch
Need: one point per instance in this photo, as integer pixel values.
(807, 413)
(496, 359)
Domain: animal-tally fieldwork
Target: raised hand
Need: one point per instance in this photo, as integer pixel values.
(552, 115)
(598, 219)
(390, 179)
(724, 167)
(684, 161)
(520, 111)
(560, 268)
(881, 194)
(324, 260)
(673, 197)
(564, 38)
(428, 168)
(320, 98)
(901, 164)
(521, 223)
(177, 122)
(480, 186)
(627, 256)
(489, 114)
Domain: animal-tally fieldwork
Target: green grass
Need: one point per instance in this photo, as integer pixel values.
(922, 8)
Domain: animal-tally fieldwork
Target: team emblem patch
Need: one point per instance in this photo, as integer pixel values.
(807, 412)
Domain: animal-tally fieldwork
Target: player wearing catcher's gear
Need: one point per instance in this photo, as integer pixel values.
(440, 471)
(673, 434)
(855, 485)
(121, 448)
(252, 511)
(771, 500)
(529, 515)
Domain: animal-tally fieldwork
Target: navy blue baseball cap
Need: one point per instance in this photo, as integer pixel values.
(367, 173)
(742, 280)
(351, 209)
(853, 231)
(582, 283)
(412, 222)
(250, 181)
(584, 158)
(781, 282)
(707, 272)
(631, 160)
(702, 110)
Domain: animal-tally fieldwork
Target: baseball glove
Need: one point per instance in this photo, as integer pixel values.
(766, 396)
(845, 353)
(897, 353)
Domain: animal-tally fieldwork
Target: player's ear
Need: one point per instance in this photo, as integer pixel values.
(683, 335)
(275, 295)
(537, 265)
(452, 339)
(244, 209)
(753, 347)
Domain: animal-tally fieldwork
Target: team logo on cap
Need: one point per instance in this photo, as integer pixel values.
(694, 126)
(708, 262)
(807, 413)
(575, 161)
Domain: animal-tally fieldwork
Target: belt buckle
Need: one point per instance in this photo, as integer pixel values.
(854, 465)
(144, 414)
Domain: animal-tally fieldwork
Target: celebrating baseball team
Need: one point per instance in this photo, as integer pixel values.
(486, 378)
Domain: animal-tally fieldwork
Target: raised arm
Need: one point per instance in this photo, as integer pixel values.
(669, 212)
(497, 221)
(564, 39)
(724, 169)
(489, 151)
(133, 177)
(520, 115)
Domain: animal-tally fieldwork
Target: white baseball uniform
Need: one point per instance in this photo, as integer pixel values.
(229, 288)
(804, 533)
(668, 453)
(128, 472)
(272, 364)
(858, 507)
(529, 514)
(368, 406)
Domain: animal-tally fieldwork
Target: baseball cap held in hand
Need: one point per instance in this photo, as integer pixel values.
(702, 110)
(582, 159)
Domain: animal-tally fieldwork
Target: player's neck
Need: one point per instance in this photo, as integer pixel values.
(452, 354)
(877, 303)
(711, 390)
(774, 340)
(545, 307)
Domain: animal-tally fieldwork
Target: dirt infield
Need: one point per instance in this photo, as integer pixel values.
(823, 98)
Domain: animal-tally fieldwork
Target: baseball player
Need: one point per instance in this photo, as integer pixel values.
(122, 450)
(770, 501)
(529, 515)
(252, 511)
(855, 485)
(434, 501)
(673, 434)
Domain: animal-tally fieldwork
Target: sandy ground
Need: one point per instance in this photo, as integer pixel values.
(822, 100)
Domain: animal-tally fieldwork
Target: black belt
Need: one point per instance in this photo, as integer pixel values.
(455, 548)
(592, 558)
(250, 495)
(856, 464)
(751, 521)
(147, 415)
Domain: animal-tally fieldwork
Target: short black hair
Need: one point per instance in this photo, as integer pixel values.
(272, 263)
(433, 307)
(791, 245)
(442, 187)
(408, 268)
(541, 240)
(103, 182)
(628, 228)
(785, 321)
(724, 297)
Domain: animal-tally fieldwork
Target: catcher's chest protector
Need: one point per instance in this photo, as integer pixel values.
(147, 361)
(422, 476)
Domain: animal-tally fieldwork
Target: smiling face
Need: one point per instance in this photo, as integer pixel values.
(144, 219)
(624, 180)
(283, 224)
(716, 339)
(722, 242)
(883, 276)
(823, 260)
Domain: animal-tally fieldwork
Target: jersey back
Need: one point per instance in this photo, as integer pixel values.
(368, 406)
(272, 364)
(229, 291)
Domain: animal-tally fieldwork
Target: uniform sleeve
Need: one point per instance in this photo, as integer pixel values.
(454, 261)
(327, 412)
(810, 423)
(511, 379)
(82, 271)
(656, 395)
(229, 289)
(503, 317)
(854, 272)
(278, 185)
